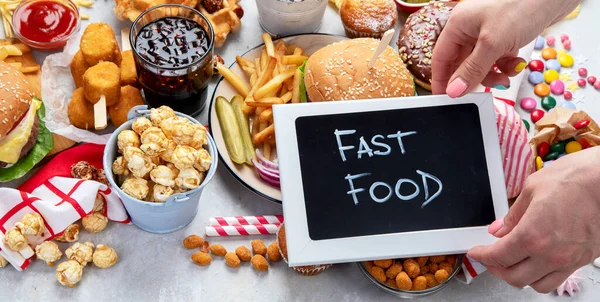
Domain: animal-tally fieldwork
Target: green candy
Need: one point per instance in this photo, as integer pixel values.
(551, 156)
(566, 141)
(548, 103)
(557, 148)
(526, 125)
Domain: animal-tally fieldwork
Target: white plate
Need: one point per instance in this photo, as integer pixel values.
(310, 43)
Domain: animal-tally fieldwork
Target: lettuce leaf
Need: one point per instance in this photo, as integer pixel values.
(43, 146)
(303, 96)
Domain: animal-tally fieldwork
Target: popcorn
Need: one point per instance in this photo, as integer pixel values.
(140, 125)
(119, 166)
(189, 178)
(162, 193)
(204, 161)
(153, 141)
(157, 115)
(136, 187)
(199, 138)
(100, 177)
(3, 262)
(82, 253)
(71, 234)
(98, 203)
(167, 154)
(180, 130)
(83, 170)
(138, 162)
(31, 224)
(49, 252)
(163, 175)
(69, 273)
(104, 256)
(14, 240)
(184, 157)
(127, 138)
(95, 222)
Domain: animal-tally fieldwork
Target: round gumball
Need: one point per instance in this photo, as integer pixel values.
(553, 64)
(569, 105)
(535, 77)
(591, 80)
(548, 103)
(581, 124)
(551, 75)
(557, 87)
(568, 95)
(536, 115)
(581, 83)
(566, 60)
(549, 53)
(541, 90)
(528, 104)
(536, 65)
(582, 72)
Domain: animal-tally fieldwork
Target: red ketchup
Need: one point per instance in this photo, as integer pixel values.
(44, 22)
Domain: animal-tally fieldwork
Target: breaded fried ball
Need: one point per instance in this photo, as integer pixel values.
(273, 252)
(232, 259)
(243, 253)
(422, 260)
(437, 259)
(218, 250)
(446, 266)
(378, 273)
(419, 283)
(391, 283)
(78, 68)
(259, 262)
(431, 282)
(128, 71)
(102, 80)
(451, 259)
(130, 97)
(403, 281)
(441, 275)
(383, 263)
(411, 267)
(259, 247)
(393, 270)
(98, 43)
(80, 111)
(424, 269)
(201, 258)
(192, 242)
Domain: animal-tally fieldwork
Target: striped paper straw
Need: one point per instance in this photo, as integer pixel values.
(246, 220)
(241, 230)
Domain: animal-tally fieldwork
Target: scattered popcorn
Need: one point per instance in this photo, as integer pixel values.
(104, 256)
(95, 222)
(14, 240)
(83, 170)
(31, 224)
(49, 252)
(3, 262)
(81, 253)
(69, 273)
(71, 234)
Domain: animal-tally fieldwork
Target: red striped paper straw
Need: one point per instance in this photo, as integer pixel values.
(241, 230)
(246, 220)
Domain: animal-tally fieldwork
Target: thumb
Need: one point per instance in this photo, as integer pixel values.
(505, 225)
(472, 70)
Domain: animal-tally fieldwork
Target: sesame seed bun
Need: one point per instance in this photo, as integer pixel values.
(340, 72)
(15, 97)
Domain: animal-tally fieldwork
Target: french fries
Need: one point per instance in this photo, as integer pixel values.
(271, 79)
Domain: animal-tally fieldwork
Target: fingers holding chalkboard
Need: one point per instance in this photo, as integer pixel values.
(510, 221)
(507, 252)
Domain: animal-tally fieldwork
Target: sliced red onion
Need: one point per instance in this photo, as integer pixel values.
(267, 163)
(265, 168)
(272, 182)
(263, 171)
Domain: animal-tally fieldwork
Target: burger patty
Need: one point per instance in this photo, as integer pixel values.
(30, 142)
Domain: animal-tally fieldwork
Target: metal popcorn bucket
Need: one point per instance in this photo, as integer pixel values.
(161, 218)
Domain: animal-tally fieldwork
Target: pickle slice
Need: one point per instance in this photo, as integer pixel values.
(242, 120)
(231, 130)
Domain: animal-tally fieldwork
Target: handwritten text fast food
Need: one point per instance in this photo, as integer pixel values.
(382, 149)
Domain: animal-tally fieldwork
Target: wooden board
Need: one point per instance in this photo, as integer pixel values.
(35, 80)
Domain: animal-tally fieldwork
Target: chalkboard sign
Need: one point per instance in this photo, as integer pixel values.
(397, 168)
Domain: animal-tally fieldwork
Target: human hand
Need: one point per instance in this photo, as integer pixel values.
(481, 33)
(552, 229)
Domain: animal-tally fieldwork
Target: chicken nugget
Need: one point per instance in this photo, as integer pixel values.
(403, 281)
(419, 283)
(378, 273)
(243, 253)
(437, 259)
(433, 267)
(441, 275)
(130, 97)
(431, 282)
(259, 262)
(446, 266)
(102, 79)
(259, 247)
(391, 283)
(424, 269)
(78, 68)
(273, 252)
(201, 258)
(128, 71)
(98, 43)
(411, 267)
(422, 260)
(383, 263)
(451, 259)
(81, 112)
(393, 270)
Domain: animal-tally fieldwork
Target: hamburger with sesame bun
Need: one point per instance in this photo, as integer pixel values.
(24, 138)
(341, 71)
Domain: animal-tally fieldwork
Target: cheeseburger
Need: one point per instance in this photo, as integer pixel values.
(24, 139)
(341, 71)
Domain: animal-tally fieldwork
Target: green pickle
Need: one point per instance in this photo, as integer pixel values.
(231, 130)
(242, 119)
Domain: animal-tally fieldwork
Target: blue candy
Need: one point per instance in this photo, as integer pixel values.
(553, 64)
(539, 42)
(536, 77)
(568, 104)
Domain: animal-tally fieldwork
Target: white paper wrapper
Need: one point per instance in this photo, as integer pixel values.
(57, 89)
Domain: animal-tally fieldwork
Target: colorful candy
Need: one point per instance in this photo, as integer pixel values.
(549, 53)
(564, 37)
(548, 103)
(581, 124)
(536, 115)
(569, 105)
(567, 44)
(526, 124)
(539, 43)
(528, 104)
(584, 143)
(581, 83)
(535, 77)
(597, 85)
(536, 65)
(551, 156)
(566, 60)
(557, 148)
(568, 95)
(553, 64)
(539, 163)
(582, 72)
(543, 149)
(541, 90)
(550, 40)
(557, 87)
(573, 147)
(591, 80)
(551, 75)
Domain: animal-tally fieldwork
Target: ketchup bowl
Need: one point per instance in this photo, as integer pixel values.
(45, 24)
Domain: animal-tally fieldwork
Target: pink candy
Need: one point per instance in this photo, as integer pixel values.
(564, 37)
(581, 82)
(529, 104)
(568, 95)
(557, 87)
(591, 80)
(567, 44)
(597, 85)
(582, 72)
(550, 40)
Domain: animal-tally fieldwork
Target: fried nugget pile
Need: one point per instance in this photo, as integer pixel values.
(224, 15)
(99, 68)
(412, 274)
(161, 156)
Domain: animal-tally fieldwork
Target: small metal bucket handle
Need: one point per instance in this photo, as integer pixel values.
(137, 111)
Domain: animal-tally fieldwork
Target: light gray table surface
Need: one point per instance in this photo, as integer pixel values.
(157, 268)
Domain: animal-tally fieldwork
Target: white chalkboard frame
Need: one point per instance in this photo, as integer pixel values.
(304, 251)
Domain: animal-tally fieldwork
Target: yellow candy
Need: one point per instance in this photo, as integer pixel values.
(573, 147)
(551, 75)
(565, 60)
(539, 163)
(549, 53)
